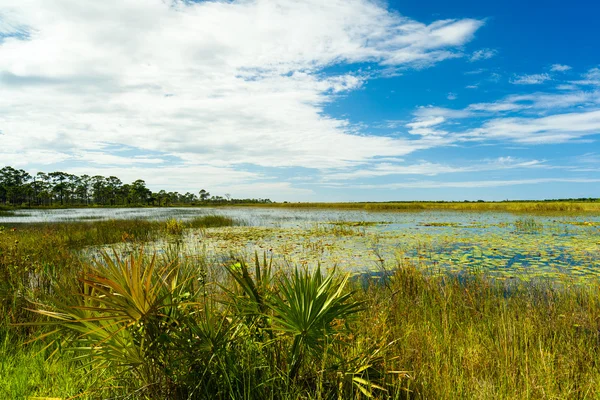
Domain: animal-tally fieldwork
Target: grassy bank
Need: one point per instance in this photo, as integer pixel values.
(508, 206)
(516, 206)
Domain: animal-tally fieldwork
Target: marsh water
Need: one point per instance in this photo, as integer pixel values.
(505, 245)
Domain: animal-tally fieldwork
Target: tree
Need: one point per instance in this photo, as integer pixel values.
(83, 188)
(139, 192)
(204, 195)
(113, 186)
(60, 185)
(14, 185)
(99, 189)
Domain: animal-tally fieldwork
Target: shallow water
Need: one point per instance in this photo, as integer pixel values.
(358, 240)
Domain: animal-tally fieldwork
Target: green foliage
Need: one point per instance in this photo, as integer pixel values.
(153, 324)
(305, 308)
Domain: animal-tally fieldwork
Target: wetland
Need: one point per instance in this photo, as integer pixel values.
(215, 302)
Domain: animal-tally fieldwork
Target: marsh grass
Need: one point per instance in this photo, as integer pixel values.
(528, 225)
(508, 206)
(336, 229)
(213, 221)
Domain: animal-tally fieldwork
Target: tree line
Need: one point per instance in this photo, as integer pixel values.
(18, 187)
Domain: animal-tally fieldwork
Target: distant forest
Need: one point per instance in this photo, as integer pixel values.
(18, 187)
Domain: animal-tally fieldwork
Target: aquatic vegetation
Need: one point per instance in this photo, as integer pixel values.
(527, 225)
(212, 221)
(359, 223)
(451, 224)
(174, 226)
(334, 229)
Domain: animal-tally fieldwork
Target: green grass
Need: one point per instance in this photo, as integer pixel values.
(27, 373)
(185, 327)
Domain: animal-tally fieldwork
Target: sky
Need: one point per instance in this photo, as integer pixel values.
(307, 100)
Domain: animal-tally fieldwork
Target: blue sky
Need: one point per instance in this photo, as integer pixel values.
(344, 100)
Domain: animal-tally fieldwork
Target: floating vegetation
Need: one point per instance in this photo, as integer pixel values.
(490, 248)
(582, 223)
(450, 224)
(360, 223)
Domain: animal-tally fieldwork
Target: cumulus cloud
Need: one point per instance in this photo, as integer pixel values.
(221, 84)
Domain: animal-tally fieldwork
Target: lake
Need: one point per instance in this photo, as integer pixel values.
(504, 245)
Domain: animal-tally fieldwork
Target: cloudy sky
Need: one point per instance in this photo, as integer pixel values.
(307, 100)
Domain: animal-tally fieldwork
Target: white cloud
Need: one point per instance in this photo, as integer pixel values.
(474, 184)
(103, 158)
(476, 71)
(222, 84)
(534, 79)
(426, 123)
(424, 126)
(495, 107)
(558, 128)
(559, 68)
(538, 101)
(483, 54)
(425, 112)
(452, 96)
(431, 169)
(591, 77)
(566, 87)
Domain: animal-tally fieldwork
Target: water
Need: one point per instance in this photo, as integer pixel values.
(358, 240)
